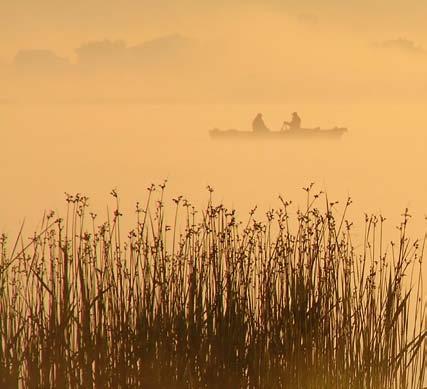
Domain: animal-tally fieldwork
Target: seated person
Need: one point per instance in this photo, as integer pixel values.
(295, 122)
(258, 124)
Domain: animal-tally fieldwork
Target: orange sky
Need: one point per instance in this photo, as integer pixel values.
(257, 51)
(62, 25)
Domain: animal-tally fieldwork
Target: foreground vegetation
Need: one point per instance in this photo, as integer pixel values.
(202, 300)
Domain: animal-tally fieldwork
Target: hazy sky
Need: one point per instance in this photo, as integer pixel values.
(265, 49)
(63, 25)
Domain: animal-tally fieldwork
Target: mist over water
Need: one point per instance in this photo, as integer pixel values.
(49, 149)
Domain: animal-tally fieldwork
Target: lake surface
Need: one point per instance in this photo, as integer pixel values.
(49, 149)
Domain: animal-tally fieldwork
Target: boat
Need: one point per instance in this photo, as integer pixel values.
(301, 133)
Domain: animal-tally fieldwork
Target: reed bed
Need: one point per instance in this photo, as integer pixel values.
(203, 300)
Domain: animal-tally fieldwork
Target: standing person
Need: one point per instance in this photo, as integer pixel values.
(258, 124)
(295, 123)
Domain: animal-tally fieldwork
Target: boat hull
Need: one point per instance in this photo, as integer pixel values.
(302, 133)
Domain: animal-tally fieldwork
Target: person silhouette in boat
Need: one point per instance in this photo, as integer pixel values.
(295, 123)
(258, 124)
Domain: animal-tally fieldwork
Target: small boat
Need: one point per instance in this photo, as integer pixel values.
(301, 133)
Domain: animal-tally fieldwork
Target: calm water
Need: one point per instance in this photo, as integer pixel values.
(91, 148)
